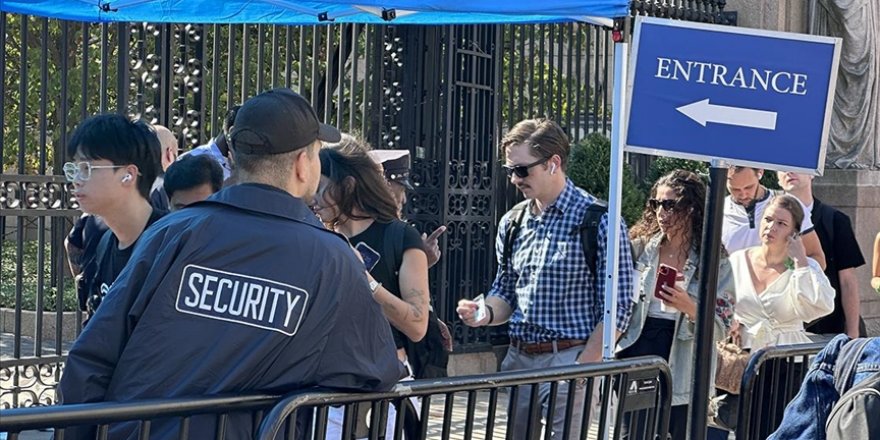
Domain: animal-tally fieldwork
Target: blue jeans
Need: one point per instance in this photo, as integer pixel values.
(806, 415)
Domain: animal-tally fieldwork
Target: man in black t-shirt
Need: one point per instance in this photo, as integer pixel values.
(842, 256)
(115, 162)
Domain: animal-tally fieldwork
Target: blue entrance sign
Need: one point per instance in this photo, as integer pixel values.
(749, 97)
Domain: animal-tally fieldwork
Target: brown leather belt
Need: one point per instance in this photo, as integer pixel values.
(546, 347)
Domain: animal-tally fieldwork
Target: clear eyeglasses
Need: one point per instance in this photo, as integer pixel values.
(82, 171)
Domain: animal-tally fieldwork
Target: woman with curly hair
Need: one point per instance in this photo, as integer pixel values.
(669, 235)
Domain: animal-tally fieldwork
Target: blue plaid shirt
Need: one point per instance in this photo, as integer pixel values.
(549, 286)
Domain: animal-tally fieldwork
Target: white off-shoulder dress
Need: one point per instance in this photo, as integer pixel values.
(776, 316)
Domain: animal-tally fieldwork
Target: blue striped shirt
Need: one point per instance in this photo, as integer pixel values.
(549, 286)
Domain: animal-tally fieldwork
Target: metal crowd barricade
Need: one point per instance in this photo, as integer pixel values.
(179, 418)
(635, 392)
(771, 380)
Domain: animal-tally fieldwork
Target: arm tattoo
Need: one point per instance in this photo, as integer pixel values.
(416, 303)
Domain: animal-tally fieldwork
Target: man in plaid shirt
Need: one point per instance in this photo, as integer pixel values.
(545, 290)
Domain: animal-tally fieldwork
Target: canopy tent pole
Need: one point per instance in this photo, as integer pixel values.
(615, 189)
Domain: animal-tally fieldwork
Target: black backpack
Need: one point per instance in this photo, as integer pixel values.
(855, 415)
(589, 232)
(428, 357)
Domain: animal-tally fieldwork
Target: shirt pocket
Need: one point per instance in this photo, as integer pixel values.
(559, 250)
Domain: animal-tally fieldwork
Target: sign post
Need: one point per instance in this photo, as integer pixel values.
(729, 96)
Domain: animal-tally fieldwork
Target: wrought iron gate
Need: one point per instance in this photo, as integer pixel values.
(444, 92)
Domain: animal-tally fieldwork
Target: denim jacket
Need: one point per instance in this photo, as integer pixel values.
(806, 415)
(646, 254)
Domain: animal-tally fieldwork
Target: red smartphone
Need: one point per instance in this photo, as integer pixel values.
(665, 277)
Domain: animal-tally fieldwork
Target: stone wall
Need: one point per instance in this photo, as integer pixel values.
(857, 193)
(774, 15)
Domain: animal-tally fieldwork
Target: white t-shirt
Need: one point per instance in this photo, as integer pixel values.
(740, 227)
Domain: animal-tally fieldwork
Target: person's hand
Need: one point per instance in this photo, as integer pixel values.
(736, 333)
(797, 251)
(432, 245)
(676, 297)
(467, 309)
(875, 284)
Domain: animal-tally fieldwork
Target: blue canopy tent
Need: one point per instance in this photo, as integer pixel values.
(292, 12)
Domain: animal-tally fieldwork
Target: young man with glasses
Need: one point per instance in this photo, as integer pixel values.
(115, 161)
(545, 288)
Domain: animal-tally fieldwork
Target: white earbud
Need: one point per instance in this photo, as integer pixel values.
(552, 168)
(126, 178)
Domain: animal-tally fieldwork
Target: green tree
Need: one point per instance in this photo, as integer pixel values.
(663, 165)
(589, 168)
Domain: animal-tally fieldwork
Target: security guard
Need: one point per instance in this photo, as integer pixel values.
(243, 292)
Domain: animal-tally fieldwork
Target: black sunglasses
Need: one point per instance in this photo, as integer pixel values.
(668, 204)
(522, 171)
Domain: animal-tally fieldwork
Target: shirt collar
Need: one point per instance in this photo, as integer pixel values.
(565, 199)
(266, 199)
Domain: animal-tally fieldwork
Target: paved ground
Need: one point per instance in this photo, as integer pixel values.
(7, 346)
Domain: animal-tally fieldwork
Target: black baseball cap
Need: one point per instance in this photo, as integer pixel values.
(278, 121)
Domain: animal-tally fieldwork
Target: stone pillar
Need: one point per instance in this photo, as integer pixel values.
(857, 193)
(773, 15)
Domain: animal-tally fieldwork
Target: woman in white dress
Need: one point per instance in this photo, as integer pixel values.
(778, 287)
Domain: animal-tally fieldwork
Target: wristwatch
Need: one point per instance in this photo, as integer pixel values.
(374, 286)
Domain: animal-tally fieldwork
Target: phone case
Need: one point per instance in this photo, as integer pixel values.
(665, 277)
(369, 255)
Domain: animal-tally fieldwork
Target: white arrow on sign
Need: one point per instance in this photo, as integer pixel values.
(702, 112)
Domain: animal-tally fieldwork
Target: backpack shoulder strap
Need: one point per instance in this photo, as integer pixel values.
(517, 214)
(590, 232)
(847, 361)
(101, 250)
(392, 254)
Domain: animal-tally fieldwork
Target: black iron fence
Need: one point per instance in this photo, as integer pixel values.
(771, 380)
(446, 93)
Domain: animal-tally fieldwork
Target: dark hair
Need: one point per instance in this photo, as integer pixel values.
(229, 120)
(792, 205)
(737, 169)
(270, 169)
(122, 141)
(544, 136)
(191, 171)
(357, 182)
(691, 192)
